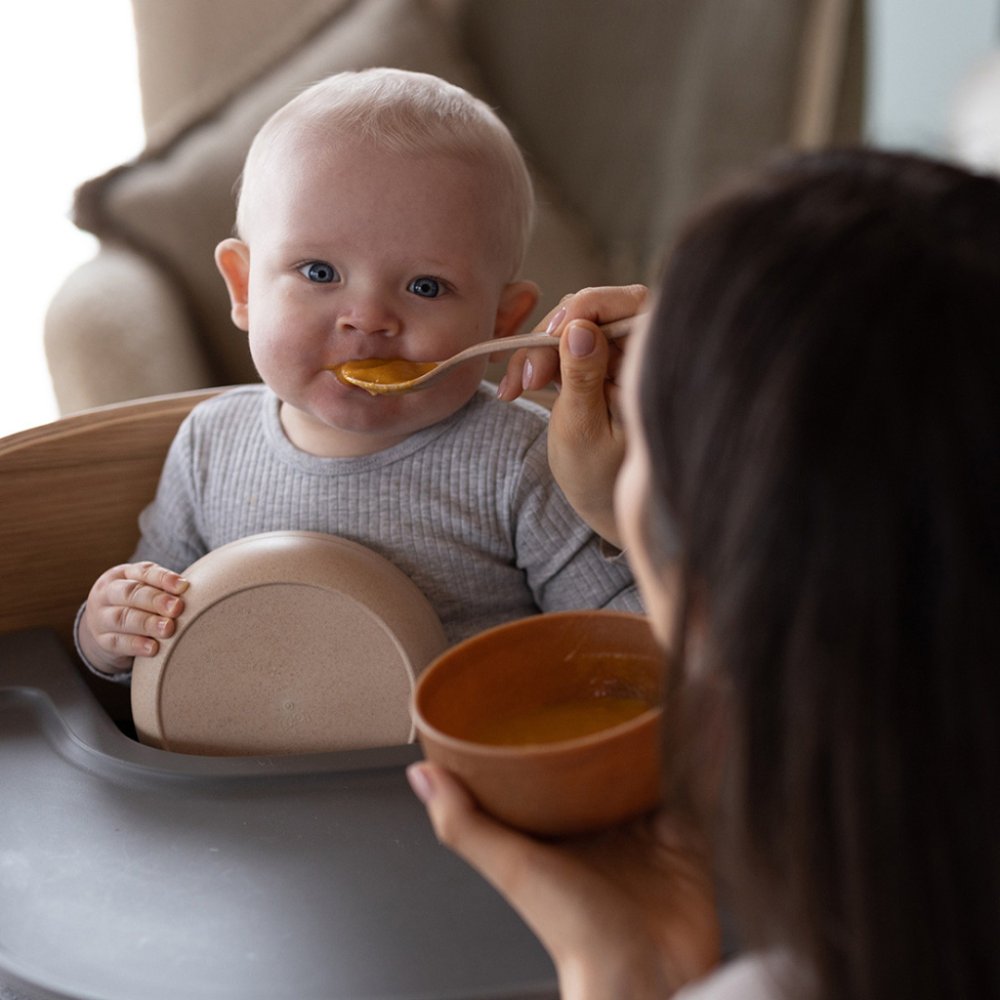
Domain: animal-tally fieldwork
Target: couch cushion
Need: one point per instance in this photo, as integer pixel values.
(175, 201)
(193, 56)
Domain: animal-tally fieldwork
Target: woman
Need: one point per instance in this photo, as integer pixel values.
(811, 504)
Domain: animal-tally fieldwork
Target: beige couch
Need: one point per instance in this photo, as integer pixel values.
(628, 110)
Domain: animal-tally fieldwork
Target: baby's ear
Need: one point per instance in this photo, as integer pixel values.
(516, 302)
(232, 257)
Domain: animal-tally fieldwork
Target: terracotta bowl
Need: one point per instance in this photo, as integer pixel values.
(535, 683)
(290, 642)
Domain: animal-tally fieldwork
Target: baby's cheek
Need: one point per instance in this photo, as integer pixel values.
(270, 346)
(452, 393)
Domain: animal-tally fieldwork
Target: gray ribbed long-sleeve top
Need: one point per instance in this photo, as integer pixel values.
(467, 508)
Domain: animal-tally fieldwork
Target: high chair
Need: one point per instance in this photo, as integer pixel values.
(132, 873)
(70, 494)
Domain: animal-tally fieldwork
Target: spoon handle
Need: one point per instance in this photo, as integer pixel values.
(381, 386)
(614, 330)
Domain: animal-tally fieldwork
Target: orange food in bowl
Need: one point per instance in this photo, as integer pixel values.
(564, 720)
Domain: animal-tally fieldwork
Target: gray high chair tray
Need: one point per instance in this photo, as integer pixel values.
(129, 873)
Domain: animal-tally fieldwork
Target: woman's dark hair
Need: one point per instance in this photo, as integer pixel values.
(820, 393)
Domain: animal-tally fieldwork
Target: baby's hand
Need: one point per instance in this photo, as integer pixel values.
(130, 607)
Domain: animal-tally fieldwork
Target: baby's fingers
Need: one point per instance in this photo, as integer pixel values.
(131, 632)
(156, 577)
(147, 589)
(133, 606)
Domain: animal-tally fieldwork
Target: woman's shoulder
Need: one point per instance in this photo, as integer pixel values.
(753, 976)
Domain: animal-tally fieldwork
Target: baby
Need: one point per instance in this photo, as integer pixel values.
(383, 214)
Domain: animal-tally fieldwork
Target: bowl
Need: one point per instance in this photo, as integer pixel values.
(290, 642)
(552, 722)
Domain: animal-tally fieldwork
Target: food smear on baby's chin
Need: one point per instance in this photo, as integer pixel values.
(380, 375)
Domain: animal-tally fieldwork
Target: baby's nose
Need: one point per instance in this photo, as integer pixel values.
(369, 316)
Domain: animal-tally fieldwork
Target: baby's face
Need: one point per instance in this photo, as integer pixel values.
(359, 253)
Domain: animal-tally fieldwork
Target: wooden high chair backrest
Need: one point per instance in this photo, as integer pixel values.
(70, 494)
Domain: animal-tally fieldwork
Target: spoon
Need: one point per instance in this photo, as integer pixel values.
(388, 376)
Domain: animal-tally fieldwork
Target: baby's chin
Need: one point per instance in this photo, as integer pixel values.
(365, 424)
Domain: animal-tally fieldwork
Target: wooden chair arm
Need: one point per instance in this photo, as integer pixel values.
(70, 494)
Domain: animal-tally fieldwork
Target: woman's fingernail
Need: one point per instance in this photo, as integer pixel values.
(581, 340)
(502, 387)
(420, 782)
(529, 370)
(556, 320)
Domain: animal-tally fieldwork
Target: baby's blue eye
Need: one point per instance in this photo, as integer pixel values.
(319, 271)
(428, 288)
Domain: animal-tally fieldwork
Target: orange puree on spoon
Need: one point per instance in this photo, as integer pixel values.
(376, 373)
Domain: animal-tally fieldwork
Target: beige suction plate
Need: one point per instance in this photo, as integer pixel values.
(290, 642)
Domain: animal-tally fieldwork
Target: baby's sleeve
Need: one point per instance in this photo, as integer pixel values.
(566, 564)
(170, 526)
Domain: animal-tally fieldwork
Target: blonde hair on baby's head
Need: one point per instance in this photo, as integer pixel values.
(411, 113)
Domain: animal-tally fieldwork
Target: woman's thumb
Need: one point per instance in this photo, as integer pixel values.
(583, 359)
(583, 365)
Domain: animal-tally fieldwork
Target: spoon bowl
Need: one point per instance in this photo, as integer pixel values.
(390, 376)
